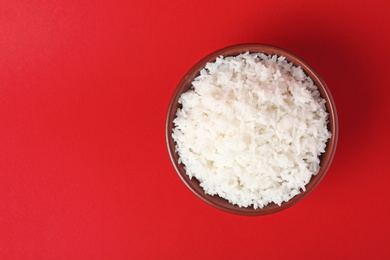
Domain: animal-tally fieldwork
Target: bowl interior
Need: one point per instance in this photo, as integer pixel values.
(325, 158)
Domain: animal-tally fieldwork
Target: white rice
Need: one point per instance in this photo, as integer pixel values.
(251, 129)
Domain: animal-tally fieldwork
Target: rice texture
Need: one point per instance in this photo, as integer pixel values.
(251, 129)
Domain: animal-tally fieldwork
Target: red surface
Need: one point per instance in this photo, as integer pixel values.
(84, 169)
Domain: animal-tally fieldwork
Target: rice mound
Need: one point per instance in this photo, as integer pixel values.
(251, 129)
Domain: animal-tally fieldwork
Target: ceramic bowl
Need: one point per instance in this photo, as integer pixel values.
(325, 158)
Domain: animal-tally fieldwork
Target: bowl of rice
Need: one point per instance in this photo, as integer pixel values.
(251, 129)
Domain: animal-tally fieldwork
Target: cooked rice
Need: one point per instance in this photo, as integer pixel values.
(251, 129)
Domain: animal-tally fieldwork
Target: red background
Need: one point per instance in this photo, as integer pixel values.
(84, 169)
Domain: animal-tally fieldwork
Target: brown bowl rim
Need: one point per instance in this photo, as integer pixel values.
(326, 158)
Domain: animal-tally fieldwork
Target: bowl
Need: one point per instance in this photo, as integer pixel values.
(325, 158)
